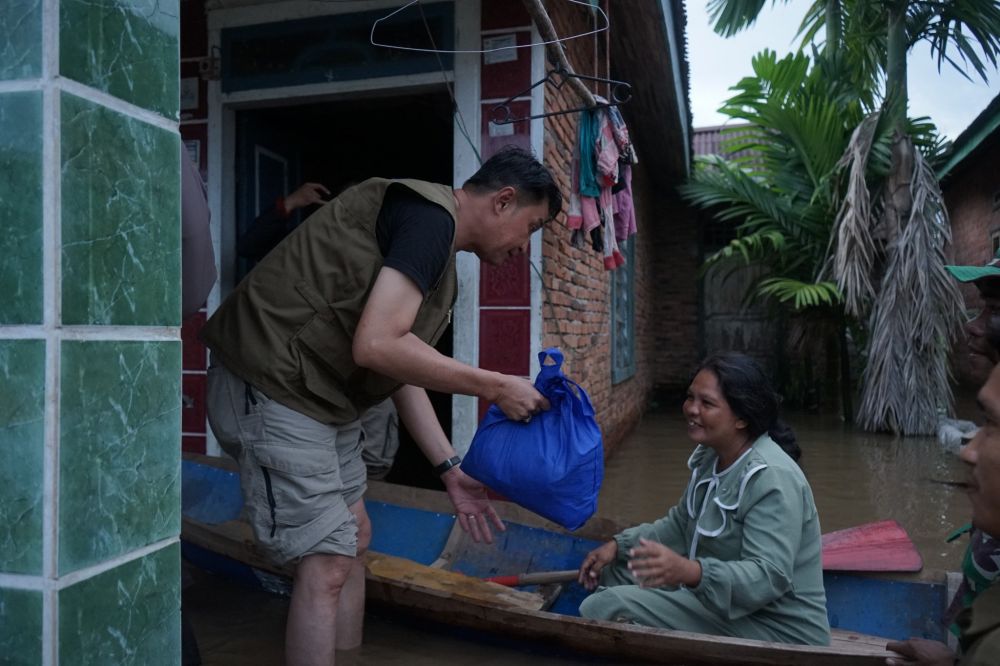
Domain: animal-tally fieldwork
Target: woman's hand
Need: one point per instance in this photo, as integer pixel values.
(654, 565)
(596, 560)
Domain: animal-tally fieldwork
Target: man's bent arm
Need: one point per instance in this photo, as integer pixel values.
(383, 343)
(475, 513)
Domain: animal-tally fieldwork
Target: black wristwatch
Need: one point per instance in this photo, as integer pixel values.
(447, 464)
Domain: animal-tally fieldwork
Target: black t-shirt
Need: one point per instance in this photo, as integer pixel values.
(414, 236)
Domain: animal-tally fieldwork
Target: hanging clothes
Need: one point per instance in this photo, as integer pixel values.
(600, 202)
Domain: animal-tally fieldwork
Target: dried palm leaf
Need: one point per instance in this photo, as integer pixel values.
(855, 255)
(917, 314)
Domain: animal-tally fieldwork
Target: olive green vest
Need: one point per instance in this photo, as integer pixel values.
(288, 327)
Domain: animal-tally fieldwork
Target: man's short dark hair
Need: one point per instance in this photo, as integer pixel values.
(517, 168)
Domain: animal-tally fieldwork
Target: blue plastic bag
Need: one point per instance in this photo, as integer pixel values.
(552, 465)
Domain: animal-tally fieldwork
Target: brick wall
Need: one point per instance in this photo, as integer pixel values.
(576, 308)
(969, 197)
(675, 301)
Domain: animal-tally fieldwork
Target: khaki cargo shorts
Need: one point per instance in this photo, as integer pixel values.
(298, 476)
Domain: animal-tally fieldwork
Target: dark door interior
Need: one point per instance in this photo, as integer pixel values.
(338, 144)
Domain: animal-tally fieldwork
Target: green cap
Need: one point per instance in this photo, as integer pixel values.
(973, 273)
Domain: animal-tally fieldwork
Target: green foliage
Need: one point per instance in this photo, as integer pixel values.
(801, 295)
(780, 187)
(960, 32)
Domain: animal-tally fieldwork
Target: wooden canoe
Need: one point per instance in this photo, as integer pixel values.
(421, 561)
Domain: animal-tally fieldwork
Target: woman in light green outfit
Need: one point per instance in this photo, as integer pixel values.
(740, 553)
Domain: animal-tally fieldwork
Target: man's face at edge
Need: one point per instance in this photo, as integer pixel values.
(982, 455)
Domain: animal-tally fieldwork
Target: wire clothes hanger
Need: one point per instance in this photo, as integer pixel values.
(621, 93)
(586, 3)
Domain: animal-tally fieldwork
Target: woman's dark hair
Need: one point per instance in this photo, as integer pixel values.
(748, 391)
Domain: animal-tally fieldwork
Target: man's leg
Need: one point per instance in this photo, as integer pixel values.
(351, 609)
(311, 635)
(328, 602)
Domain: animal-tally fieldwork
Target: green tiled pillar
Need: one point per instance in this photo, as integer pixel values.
(89, 332)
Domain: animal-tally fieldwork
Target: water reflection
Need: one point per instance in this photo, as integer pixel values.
(855, 477)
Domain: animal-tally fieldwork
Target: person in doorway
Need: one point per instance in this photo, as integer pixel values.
(271, 226)
(198, 271)
(979, 624)
(342, 314)
(740, 554)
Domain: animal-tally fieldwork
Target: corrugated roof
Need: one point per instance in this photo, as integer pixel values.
(708, 140)
(975, 135)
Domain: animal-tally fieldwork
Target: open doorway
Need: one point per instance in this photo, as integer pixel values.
(337, 144)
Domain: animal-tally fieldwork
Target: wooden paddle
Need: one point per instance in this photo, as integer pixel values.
(537, 578)
(878, 546)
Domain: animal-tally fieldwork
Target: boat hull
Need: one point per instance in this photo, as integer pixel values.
(419, 560)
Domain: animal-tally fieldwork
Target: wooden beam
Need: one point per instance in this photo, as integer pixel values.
(555, 49)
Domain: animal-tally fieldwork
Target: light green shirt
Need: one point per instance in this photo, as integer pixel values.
(755, 531)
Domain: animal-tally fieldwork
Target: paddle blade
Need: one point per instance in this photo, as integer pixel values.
(880, 546)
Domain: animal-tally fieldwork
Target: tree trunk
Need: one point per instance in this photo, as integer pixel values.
(846, 388)
(895, 66)
(898, 194)
(833, 26)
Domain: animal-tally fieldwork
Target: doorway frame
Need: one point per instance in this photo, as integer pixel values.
(464, 78)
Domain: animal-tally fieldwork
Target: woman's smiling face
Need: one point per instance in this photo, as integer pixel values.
(710, 420)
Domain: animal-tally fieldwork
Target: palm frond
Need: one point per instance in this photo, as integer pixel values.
(968, 28)
(916, 317)
(855, 251)
(729, 17)
(800, 294)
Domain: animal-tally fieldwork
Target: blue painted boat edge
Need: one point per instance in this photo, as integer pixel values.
(862, 603)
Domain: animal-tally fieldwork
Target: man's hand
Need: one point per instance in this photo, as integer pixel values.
(920, 652)
(475, 513)
(308, 193)
(655, 565)
(596, 560)
(519, 399)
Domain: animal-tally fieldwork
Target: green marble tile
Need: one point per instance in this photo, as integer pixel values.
(20, 627)
(21, 39)
(127, 48)
(120, 218)
(127, 616)
(22, 444)
(20, 207)
(119, 448)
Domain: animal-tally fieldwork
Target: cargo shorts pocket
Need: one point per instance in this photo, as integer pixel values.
(297, 497)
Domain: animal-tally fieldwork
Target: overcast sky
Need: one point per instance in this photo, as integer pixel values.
(950, 100)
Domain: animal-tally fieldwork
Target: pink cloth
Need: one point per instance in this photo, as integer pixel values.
(624, 207)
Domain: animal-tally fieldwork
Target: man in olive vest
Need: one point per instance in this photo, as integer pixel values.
(341, 315)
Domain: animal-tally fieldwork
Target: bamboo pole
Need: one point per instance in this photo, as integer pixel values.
(554, 49)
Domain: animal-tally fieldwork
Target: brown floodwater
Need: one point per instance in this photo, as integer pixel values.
(856, 478)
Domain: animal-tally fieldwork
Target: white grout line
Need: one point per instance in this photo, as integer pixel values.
(19, 582)
(124, 333)
(107, 565)
(115, 104)
(21, 85)
(51, 275)
(52, 584)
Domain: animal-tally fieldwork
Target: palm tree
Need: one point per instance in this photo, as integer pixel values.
(796, 118)
(889, 260)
